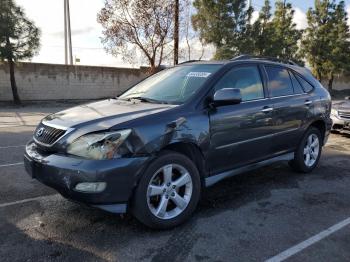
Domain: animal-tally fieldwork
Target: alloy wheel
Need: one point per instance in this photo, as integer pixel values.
(311, 150)
(169, 191)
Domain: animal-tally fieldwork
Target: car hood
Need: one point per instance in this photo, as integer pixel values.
(103, 114)
(341, 105)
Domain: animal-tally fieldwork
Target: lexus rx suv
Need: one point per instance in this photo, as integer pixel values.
(153, 149)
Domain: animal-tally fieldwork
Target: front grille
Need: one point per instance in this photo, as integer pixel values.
(344, 114)
(47, 135)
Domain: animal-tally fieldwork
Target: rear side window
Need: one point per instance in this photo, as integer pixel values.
(306, 86)
(296, 85)
(279, 81)
(247, 79)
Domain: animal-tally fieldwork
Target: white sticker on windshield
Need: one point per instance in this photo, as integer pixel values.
(198, 74)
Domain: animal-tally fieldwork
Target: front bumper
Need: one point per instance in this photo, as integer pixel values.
(340, 124)
(63, 173)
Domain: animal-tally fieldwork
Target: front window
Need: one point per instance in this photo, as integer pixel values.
(175, 85)
(245, 78)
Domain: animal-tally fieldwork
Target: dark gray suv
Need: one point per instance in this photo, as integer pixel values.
(155, 147)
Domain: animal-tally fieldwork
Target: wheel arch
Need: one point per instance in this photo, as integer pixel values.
(193, 152)
(320, 125)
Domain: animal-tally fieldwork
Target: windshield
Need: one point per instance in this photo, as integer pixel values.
(174, 85)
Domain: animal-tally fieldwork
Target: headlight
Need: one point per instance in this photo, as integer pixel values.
(99, 146)
(334, 112)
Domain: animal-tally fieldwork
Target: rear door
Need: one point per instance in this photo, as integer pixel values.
(291, 108)
(240, 134)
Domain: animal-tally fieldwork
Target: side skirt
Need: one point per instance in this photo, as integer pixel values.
(113, 208)
(209, 181)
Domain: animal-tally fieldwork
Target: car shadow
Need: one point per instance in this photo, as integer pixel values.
(341, 133)
(16, 244)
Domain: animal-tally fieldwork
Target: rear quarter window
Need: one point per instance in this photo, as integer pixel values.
(298, 89)
(306, 85)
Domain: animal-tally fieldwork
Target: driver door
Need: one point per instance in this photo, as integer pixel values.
(241, 134)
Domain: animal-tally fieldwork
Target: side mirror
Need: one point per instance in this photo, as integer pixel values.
(227, 96)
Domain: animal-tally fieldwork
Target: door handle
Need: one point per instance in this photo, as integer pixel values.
(308, 102)
(267, 109)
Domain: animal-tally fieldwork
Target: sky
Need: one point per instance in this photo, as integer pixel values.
(87, 33)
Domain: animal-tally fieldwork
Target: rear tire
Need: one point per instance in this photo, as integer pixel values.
(309, 151)
(168, 191)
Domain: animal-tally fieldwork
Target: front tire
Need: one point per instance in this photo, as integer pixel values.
(168, 191)
(309, 151)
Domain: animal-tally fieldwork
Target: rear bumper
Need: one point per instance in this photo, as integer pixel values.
(63, 173)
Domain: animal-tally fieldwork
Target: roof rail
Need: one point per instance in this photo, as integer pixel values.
(273, 59)
(189, 61)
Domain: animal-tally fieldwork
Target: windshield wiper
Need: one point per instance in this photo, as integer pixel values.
(145, 99)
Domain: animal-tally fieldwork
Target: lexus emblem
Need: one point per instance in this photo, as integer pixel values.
(40, 132)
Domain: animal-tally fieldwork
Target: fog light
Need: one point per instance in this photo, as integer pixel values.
(91, 187)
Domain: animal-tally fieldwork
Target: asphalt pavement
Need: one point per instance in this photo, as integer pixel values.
(271, 212)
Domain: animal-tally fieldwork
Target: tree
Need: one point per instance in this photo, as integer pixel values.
(340, 55)
(143, 24)
(227, 25)
(224, 24)
(262, 32)
(176, 31)
(192, 47)
(277, 35)
(326, 44)
(19, 39)
(187, 24)
(285, 36)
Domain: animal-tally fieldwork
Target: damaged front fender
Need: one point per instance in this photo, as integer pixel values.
(152, 138)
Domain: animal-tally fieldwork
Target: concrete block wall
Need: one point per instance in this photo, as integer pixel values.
(61, 82)
(341, 82)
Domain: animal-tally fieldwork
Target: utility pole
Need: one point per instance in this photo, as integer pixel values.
(67, 35)
(176, 32)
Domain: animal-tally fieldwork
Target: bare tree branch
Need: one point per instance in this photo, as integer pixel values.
(145, 24)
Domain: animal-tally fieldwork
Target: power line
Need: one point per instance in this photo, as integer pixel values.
(75, 47)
